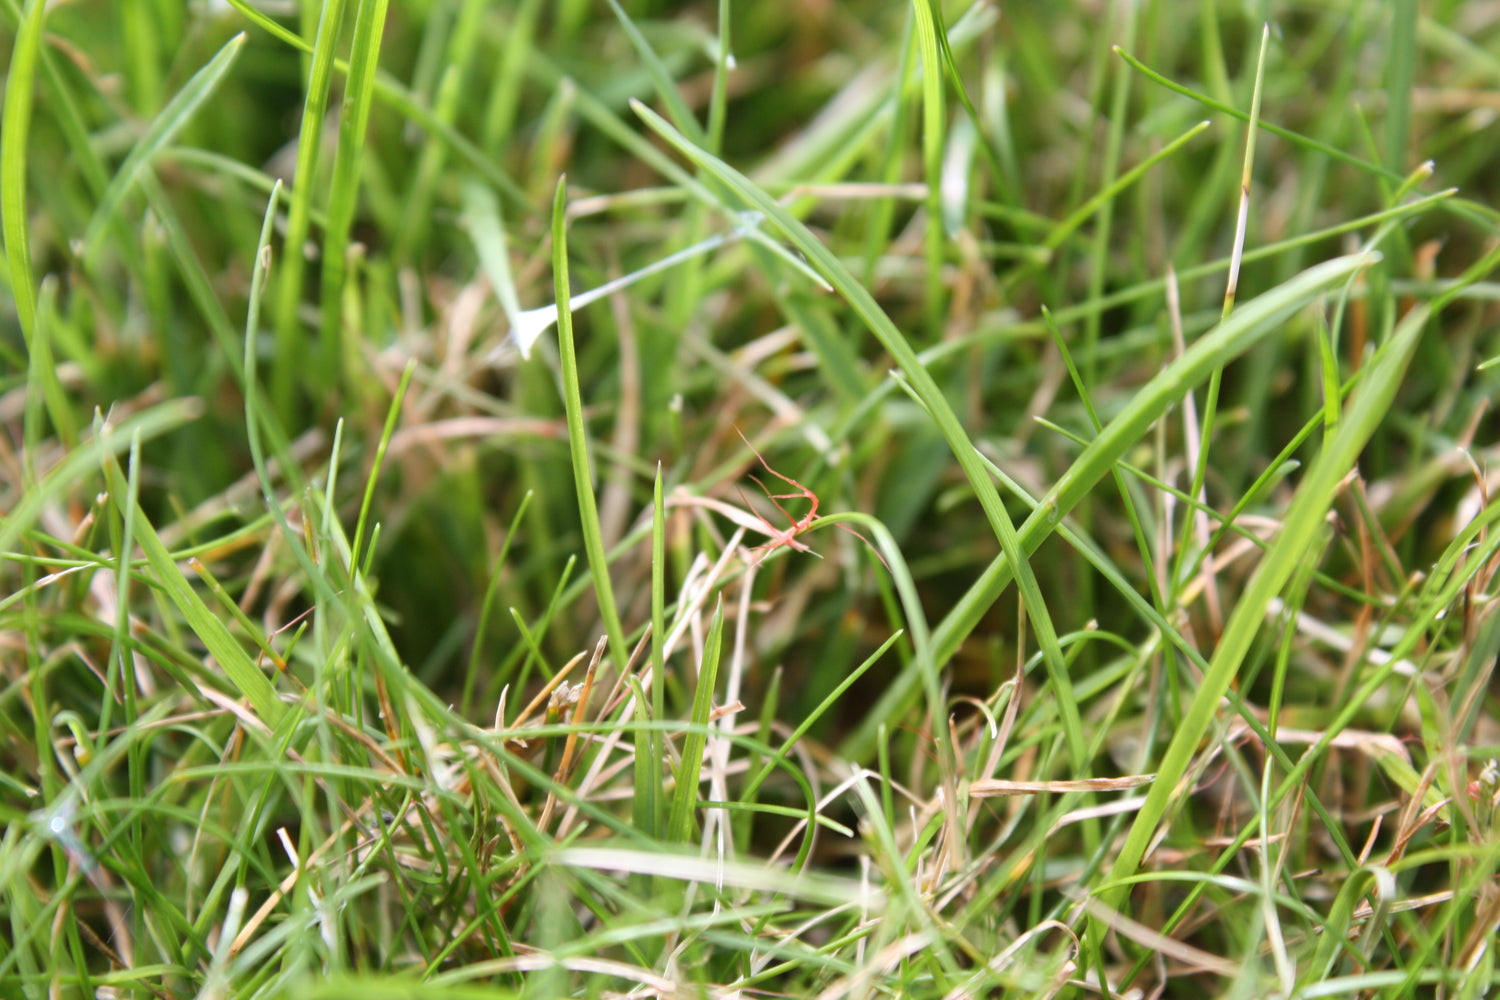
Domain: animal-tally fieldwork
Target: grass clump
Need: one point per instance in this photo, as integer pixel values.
(422, 419)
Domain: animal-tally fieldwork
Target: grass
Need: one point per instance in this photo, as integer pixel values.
(372, 625)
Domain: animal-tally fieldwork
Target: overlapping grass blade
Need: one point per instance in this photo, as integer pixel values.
(290, 350)
(80, 463)
(209, 627)
(1250, 323)
(354, 121)
(864, 305)
(1299, 528)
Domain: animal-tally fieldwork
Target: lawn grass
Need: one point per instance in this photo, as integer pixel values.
(372, 626)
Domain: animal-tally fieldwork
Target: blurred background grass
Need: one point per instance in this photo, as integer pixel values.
(437, 172)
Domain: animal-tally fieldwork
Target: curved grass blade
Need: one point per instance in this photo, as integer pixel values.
(1253, 321)
(865, 306)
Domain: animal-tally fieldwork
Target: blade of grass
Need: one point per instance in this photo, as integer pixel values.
(46, 389)
(20, 84)
(689, 770)
(655, 750)
(290, 352)
(163, 128)
(1059, 233)
(578, 445)
(1299, 528)
(661, 78)
(718, 102)
(1252, 322)
(354, 121)
(391, 416)
(933, 126)
(242, 671)
(865, 306)
(1099, 247)
(1401, 72)
(486, 606)
(1210, 412)
(998, 174)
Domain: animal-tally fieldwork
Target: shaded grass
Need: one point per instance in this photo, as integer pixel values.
(1228, 734)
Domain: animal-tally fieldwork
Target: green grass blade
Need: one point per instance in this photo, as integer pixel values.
(391, 416)
(290, 352)
(1060, 233)
(163, 128)
(661, 79)
(42, 377)
(20, 83)
(685, 795)
(354, 121)
(865, 306)
(718, 102)
(1299, 529)
(992, 153)
(578, 443)
(209, 628)
(1401, 72)
(933, 130)
(655, 749)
